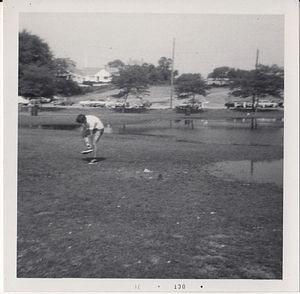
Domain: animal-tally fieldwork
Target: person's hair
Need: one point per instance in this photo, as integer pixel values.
(81, 118)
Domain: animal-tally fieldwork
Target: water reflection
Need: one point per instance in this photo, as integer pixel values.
(250, 171)
(253, 124)
(244, 131)
(189, 122)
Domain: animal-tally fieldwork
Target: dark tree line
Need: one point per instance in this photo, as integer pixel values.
(156, 75)
(40, 74)
(258, 83)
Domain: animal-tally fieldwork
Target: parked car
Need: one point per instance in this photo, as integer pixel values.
(99, 103)
(239, 104)
(267, 104)
(279, 102)
(109, 104)
(138, 105)
(63, 102)
(92, 103)
(23, 101)
(45, 100)
(184, 105)
(35, 101)
(234, 104)
(147, 104)
(119, 104)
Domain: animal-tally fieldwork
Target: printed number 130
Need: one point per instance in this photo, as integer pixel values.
(179, 286)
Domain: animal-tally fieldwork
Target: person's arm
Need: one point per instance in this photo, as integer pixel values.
(83, 131)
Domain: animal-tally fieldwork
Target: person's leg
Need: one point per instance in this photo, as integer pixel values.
(96, 137)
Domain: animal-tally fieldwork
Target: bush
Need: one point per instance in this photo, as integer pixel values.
(67, 87)
(88, 83)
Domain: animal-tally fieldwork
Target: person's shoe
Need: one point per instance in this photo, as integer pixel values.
(87, 151)
(93, 161)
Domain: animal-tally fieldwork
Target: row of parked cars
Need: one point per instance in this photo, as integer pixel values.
(25, 102)
(64, 101)
(115, 104)
(260, 104)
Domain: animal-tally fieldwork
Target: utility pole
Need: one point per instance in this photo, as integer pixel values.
(172, 74)
(256, 66)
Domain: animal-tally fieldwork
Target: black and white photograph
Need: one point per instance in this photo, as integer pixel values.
(155, 146)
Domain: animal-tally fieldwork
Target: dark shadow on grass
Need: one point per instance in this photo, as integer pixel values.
(88, 159)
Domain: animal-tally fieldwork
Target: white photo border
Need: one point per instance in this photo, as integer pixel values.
(289, 8)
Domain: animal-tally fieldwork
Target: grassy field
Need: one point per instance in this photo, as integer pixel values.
(113, 220)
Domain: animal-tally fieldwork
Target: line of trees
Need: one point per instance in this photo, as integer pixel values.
(156, 75)
(40, 74)
(258, 83)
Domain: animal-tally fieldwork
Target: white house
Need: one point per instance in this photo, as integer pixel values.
(98, 75)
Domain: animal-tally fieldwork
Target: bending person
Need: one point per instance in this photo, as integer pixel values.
(92, 130)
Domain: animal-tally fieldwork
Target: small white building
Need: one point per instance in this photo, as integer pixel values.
(98, 75)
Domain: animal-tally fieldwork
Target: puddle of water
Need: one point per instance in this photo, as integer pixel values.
(69, 127)
(204, 131)
(249, 171)
(267, 132)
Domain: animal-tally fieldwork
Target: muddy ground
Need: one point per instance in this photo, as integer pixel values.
(148, 209)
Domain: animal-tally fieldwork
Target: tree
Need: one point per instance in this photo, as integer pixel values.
(36, 81)
(221, 74)
(188, 85)
(116, 63)
(40, 74)
(63, 66)
(36, 76)
(64, 85)
(131, 80)
(258, 83)
(164, 70)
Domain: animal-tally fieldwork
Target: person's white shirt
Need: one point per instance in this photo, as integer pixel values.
(93, 122)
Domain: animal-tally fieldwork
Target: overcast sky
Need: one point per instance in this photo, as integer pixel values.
(202, 42)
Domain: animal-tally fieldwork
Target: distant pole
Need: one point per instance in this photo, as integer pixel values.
(172, 74)
(256, 66)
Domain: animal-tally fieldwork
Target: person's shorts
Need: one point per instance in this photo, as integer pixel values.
(98, 130)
